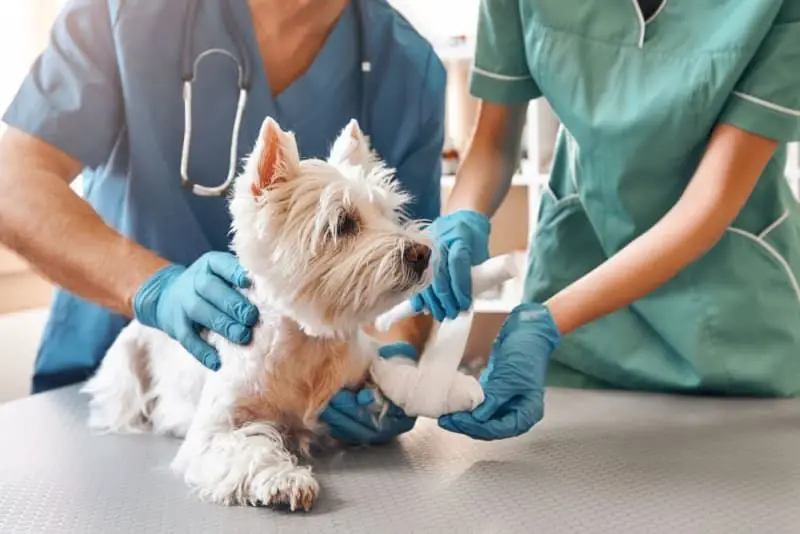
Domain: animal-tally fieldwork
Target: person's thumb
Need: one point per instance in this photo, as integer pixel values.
(459, 265)
(486, 410)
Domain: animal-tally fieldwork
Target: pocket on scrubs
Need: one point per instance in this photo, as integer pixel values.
(618, 350)
(753, 327)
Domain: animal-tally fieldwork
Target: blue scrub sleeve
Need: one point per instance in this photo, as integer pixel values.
(500, 73)
(71, 97)
(766, 99)
(420, 170)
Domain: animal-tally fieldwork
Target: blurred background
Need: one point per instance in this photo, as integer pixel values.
(450, 26)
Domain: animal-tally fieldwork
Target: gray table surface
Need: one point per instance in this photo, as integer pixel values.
(600, 462)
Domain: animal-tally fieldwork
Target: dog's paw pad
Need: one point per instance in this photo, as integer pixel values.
(465, 394)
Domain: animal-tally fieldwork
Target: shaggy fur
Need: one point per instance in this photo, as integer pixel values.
(328, 249)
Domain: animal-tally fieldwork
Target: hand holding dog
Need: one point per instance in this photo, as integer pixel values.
(180, 300)
(462, 238)
(350, 415)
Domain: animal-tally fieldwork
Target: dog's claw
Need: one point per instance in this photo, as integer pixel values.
(308, 500)
(294, 498)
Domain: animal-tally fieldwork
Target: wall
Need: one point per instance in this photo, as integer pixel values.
(436, 19)
(24, 25)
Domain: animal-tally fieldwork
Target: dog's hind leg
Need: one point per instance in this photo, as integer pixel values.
(119, 389)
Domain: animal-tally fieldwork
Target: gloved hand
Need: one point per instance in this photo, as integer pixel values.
(180, 301)
(351, 417)
(462, 240)
(514, 380)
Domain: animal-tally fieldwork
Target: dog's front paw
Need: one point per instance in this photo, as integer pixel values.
(427, 391)
(396, 379)
(465, 394)
(294, 488)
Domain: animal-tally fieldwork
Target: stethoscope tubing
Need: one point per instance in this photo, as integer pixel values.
(189, 72)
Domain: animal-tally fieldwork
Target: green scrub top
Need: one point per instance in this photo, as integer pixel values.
(638, 98)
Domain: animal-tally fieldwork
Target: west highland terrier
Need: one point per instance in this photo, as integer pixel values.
(328, 249)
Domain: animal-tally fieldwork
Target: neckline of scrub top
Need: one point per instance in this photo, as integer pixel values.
(643, 22)
(325, 73)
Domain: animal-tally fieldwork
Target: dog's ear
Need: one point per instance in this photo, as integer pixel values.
(278, 157)
(351, 147)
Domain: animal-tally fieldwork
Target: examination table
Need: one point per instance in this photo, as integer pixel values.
(599, 462)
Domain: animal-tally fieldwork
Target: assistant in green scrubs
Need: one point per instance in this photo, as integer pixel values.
(675, 117)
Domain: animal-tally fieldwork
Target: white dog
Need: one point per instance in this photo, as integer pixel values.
(328, 250)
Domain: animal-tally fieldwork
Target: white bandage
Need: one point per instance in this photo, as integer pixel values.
(434, 386)
(485, 276)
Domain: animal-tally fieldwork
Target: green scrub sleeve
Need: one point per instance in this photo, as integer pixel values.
(500, 73)
(766, 100)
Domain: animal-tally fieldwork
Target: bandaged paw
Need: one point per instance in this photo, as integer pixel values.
(426, 391)
(434, 386)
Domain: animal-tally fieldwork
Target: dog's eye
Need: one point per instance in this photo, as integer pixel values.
(346, 225)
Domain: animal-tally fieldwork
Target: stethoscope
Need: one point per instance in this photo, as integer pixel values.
(189, 73)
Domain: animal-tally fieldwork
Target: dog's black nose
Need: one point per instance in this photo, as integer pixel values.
(417, 256)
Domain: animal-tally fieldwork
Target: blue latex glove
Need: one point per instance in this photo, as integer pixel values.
(180, 301)
(462, 240)
(514, 380)
(351, 418)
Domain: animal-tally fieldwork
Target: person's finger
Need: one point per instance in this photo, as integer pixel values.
(227, 267)
(417, 303)
(202, 351)
(360, 408)
(225, 298)
(365, 397)
(345, 429)
(433, 304)
(441, 287)
(397, 427)
(464, 423)
(396, 412)
(520, 415)
(460, 268)
(206, 315)
(344, 399)
(487, 409)
(426, 300)
(403, 349)
(357, 406)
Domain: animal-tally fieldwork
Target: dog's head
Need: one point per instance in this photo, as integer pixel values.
(326, 242)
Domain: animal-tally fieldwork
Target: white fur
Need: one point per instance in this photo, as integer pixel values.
(329, 285)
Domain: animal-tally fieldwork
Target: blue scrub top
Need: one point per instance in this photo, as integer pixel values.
(107, 91)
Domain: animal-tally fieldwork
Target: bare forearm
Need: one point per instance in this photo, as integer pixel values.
(491, 160)
(714, 197)
(680, 238)
(62, 237)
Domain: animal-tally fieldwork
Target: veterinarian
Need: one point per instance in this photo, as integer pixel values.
(667, 251)
(106, 100)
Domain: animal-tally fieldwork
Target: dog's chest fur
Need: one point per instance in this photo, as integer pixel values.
(298, 374)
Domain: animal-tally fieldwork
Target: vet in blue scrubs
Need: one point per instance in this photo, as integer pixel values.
(108, 92)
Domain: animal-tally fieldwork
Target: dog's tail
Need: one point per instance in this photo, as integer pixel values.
(119, 390)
